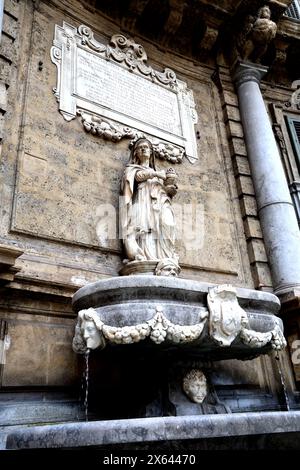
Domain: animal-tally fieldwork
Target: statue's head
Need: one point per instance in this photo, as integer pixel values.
(264, 12)
(142, 153)
(167, 267)
(195, 385)
(89, 331)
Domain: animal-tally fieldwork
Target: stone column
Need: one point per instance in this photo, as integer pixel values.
(276, 212)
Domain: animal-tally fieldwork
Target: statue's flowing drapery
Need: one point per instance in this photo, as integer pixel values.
(147, 218)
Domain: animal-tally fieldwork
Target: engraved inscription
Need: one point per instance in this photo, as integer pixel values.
(113, 85)
(109, 85)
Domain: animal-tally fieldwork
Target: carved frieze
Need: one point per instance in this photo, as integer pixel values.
(117, 94)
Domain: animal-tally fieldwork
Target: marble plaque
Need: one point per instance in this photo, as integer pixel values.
(115, 83)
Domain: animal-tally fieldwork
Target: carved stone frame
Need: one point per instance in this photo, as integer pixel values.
(106, 122)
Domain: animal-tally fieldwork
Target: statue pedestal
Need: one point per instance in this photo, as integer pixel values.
(138, 267)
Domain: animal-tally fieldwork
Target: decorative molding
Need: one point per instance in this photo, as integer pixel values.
(129, 53)
(248, 72)
(8, 256)
(105, 129)
(175, 17)
(91, 78)
(226, 320)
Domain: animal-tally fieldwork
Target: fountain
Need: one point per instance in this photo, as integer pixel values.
(155, 338)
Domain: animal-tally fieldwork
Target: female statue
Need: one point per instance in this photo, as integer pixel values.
(147, 218)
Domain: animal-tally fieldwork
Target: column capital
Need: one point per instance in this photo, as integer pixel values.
(248, 72)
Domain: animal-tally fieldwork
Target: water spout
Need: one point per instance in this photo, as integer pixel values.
(86, 407)
(286, 397)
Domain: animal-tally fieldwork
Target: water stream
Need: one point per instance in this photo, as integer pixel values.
(86, 403)
(286, 397)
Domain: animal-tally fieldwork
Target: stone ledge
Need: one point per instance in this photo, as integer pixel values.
(99, 433)
(8, 256)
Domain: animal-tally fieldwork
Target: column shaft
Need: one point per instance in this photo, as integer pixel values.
(276, 212)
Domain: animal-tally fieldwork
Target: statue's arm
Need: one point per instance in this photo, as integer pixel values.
(143, 175)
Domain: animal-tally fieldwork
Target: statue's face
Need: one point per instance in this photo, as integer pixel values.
(196, 389)
(169, 270)
(91, 334)
(143, 152)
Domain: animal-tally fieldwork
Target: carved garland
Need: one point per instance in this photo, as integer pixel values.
(108, 131)
(160, 329)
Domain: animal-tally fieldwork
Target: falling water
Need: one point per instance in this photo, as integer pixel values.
(286, 398)
(86, 383)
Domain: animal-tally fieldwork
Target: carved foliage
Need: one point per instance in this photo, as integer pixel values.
(107, 130)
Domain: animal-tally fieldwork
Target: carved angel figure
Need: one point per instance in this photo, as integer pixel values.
(257, 34)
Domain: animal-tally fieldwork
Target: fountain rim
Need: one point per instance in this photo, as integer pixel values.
(183, 287)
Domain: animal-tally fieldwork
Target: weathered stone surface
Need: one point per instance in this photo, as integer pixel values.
(262, 275)
(12, 7)
(252, 228)
(248, 206)
(10, 26)
(154, 430)
(39, 352)
(240, 165)
(257, 251)
(244, 184)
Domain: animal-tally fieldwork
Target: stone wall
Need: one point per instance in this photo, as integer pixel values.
(55, 177)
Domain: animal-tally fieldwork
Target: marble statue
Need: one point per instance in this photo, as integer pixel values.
(257, 35)
(195, 385)
(146, 214)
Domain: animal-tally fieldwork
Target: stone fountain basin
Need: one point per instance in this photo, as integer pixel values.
(131, 300)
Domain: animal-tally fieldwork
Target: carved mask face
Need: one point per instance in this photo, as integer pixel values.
(91, 334)
(169, 271)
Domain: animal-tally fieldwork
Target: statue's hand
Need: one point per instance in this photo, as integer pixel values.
(161, 174)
